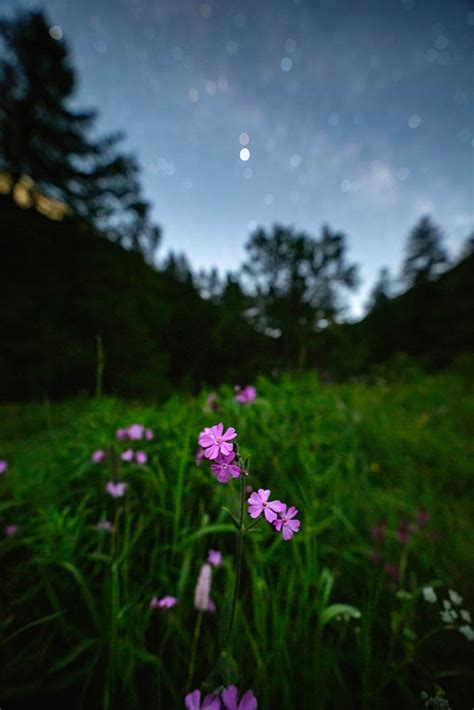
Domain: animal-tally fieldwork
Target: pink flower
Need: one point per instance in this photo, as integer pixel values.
(98, 456)
(105, 525)
(127, 455)
(199, 456)
(392, 571)
(248, 701)
(141, 457)
(11, 530)
(286, 523)
(378, 533)
(404, 532)
(214, 557)
(149, 434)
(193, 701)
(3, 466)
(163, 603)
(259, 503)
(202, 600)
(214, 440)
(422, 517)
(136, 432)
(223, 469)
(116, 490)
(121, 434)
(211, 403)
(246, 395)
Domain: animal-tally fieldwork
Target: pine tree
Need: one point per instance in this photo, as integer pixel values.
(45, 140)
(425, 254)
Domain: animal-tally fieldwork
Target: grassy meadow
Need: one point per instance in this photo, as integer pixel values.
(381, 473)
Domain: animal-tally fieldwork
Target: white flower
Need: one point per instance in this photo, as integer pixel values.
(455, 598)
(467, 631)
(465, 615)
(446, 604)
(429, 595)
(448, 616)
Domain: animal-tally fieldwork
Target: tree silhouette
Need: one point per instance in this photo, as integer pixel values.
(297, 282)
(44, 139)
(425, 254)
(381, 292)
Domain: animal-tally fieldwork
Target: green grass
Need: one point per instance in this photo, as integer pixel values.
(75, 619)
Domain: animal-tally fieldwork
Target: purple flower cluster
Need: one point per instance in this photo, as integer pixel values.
(139, 457)
(214, 445)
(275, 512)
(134, 432)
(229, 697)
(167, 602)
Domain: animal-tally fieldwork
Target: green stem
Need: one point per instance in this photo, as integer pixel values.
(238, 571)
(197, 633)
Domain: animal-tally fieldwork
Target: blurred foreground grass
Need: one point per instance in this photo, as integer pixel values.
(76, 624)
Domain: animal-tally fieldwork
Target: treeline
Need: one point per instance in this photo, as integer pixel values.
(88, 288)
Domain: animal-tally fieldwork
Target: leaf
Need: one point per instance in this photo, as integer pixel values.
(72, 655)
(338, 610)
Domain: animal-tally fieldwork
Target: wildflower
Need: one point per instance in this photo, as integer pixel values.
(116, 490)
(202, 601)
(199, 456)
(223, 469)
(149, 434)
(246, 395)
(429, 595)
(215, 441)
(98, 456)
(3, 466)
(105, 525)
(448, 616)
(467, 631)
(378, 533)
(141, 457)
(11, 530)
(164, 603)
(214, 557)
(212, 404)
(455, 597)
(422, 517)
(127, 455)
(135, 432)
(375, 557)
(248, 701)
(392, 571)
(285, 522)
(259, 503)
(121, 434)
(210, 702)
(465, 615)
(404, 532)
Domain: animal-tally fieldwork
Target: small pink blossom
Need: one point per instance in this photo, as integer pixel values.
(141, 457)
(105, 525)
(229, 696)
(259, 503)
(392, 571)
(199, 456)
(378, 533)
(121, 434)
(422, 517)
(136, 432)
(192, 701)
(116, 490)
(98, 456)
(404, 532)
(223, 469)
(149, 434)
(11, 530)
(246, 395)
(202, 600)
(211, 403)
(164, 603)
(127, 455)
(214, 440)
(285, 523)
(3, 466)
(214, 557)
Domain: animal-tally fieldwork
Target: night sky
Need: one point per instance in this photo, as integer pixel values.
(355, 113)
